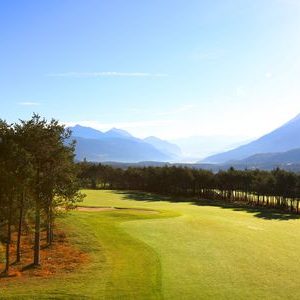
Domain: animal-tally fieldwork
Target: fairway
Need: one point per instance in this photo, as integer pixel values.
(161, 249)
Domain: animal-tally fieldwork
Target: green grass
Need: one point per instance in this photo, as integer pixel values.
(185, 251)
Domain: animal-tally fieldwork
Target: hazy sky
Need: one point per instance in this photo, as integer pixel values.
(161, 67)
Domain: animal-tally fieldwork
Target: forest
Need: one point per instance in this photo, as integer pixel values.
(272, 189)
(38, 177)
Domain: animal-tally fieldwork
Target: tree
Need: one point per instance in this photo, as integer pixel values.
(51, 155)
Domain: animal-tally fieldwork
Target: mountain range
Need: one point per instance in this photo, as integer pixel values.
(280, 147)
(283, 139)
(119, 145)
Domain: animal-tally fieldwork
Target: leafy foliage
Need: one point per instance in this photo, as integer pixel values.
(278, 188)
(37, 176)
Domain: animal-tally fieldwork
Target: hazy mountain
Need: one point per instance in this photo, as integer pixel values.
(86, 132)
(164, 146)
(114, 145)
(285, 138)
(288, 157)
(116, 149)
(201, 146)
(118, 133)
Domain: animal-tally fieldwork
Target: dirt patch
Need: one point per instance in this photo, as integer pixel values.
(61, 257)
(94, 208)
(109, 208)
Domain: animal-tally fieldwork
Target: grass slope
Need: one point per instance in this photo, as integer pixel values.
(187, 251)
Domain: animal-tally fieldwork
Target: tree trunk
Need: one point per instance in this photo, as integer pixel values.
(18, 251)
(292, 204)
(37, 236)
(50, 225)
(8, 240)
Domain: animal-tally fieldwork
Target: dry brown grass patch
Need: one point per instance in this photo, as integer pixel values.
(61, 257)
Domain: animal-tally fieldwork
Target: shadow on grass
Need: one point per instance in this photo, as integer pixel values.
(144, 196)
(256, 211)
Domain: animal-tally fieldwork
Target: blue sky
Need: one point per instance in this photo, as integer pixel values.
(161, 67)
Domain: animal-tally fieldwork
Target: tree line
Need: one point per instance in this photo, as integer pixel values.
(274, 189)
(38, 177)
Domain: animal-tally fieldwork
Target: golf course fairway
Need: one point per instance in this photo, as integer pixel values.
(156, 248)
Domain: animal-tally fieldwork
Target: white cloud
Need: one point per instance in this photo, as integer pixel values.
(105, 74)
(29, 103)
(221, 116)
(141, 129)
(121, 125)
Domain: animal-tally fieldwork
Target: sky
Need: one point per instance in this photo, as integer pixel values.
(169, 68)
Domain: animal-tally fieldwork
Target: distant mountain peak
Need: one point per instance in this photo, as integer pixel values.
(282, 139)
(86, 132)
(152, 138)
(164, 146)
(80, 127)
(115, 132)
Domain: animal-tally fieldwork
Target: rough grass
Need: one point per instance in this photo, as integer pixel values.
(59, 258)
(186, 251)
